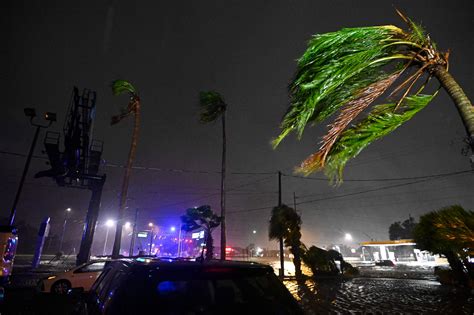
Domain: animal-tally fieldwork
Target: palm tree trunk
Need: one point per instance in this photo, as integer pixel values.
(463, 104)
(297, 260)
(223, 227)
(126, 180)
(209, 245)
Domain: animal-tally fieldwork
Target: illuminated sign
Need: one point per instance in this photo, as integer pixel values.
(197, 235)
(142, 234)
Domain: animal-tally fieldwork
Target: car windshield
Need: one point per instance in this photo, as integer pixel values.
(213, 291)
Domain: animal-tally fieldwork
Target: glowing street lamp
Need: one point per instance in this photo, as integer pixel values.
(348, 237)
(150, 224)
(68, 210)
(109, 223)
(127, 225)
(172, 229)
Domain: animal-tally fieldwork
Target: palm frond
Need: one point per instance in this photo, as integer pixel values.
(345, 71)
(350, 111)
(417, 33)
(212, 105)
(334, 69)
(123, 86)
(379, 123)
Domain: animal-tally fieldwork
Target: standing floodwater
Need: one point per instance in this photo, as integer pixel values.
(398, 290)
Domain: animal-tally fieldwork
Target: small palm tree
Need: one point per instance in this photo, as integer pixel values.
(285, 224)
(133, 108)
(202, 218)
(348, 70)
(212, 107)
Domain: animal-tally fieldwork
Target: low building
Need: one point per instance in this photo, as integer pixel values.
(398, 251)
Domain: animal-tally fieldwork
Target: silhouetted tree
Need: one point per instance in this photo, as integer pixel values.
(320, 261)
(402, 230)
(286, 223)
(449, 232)
(202, 217)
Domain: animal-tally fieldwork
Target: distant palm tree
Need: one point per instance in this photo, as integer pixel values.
(285, 224)
(212, 107)
(202, 217)
(348, 70)
(133, 108)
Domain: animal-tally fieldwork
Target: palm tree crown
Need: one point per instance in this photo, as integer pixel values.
(348, 70)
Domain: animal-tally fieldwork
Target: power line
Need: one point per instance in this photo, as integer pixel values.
(218, 193)
(363, 192)
(157, 169)
(385, 179)
(357, 193)
(146, 168)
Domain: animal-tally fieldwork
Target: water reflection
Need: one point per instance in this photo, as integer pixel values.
(380, 295)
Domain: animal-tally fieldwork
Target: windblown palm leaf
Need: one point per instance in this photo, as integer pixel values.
(346, 71)
(379, 123)
(120, 87)
(212, 106)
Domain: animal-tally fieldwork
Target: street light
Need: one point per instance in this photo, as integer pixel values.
(30, 113)
(64, 229)
(348, 237)
(127, 225)
(109, 223)
(150, 225)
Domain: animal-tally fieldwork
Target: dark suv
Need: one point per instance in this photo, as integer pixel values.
(166, 286)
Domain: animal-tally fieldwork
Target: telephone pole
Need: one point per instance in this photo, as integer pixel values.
(134, 231)
(282, 258)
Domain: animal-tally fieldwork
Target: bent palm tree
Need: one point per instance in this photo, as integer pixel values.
(285, 224)
(348, 70)
(202, 217)
(120, 87)
(213, 106)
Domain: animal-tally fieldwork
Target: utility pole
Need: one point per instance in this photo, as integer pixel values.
(64, 229)
(282, 258)
(134, 232)
(31, 113)
(294, 201)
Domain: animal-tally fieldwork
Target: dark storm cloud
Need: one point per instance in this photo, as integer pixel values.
(246, 50)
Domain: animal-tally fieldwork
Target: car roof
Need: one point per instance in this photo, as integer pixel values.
(186, 263)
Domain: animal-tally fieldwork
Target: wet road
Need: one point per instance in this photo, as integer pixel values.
(381, 296)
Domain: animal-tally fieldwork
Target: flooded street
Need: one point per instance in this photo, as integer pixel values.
(380, 295)
(402, 289)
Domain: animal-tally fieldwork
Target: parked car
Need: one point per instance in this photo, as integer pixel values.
(166, 286)
(385, 263)
(82, 276)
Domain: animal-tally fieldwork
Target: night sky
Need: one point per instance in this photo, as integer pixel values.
(246, 50)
